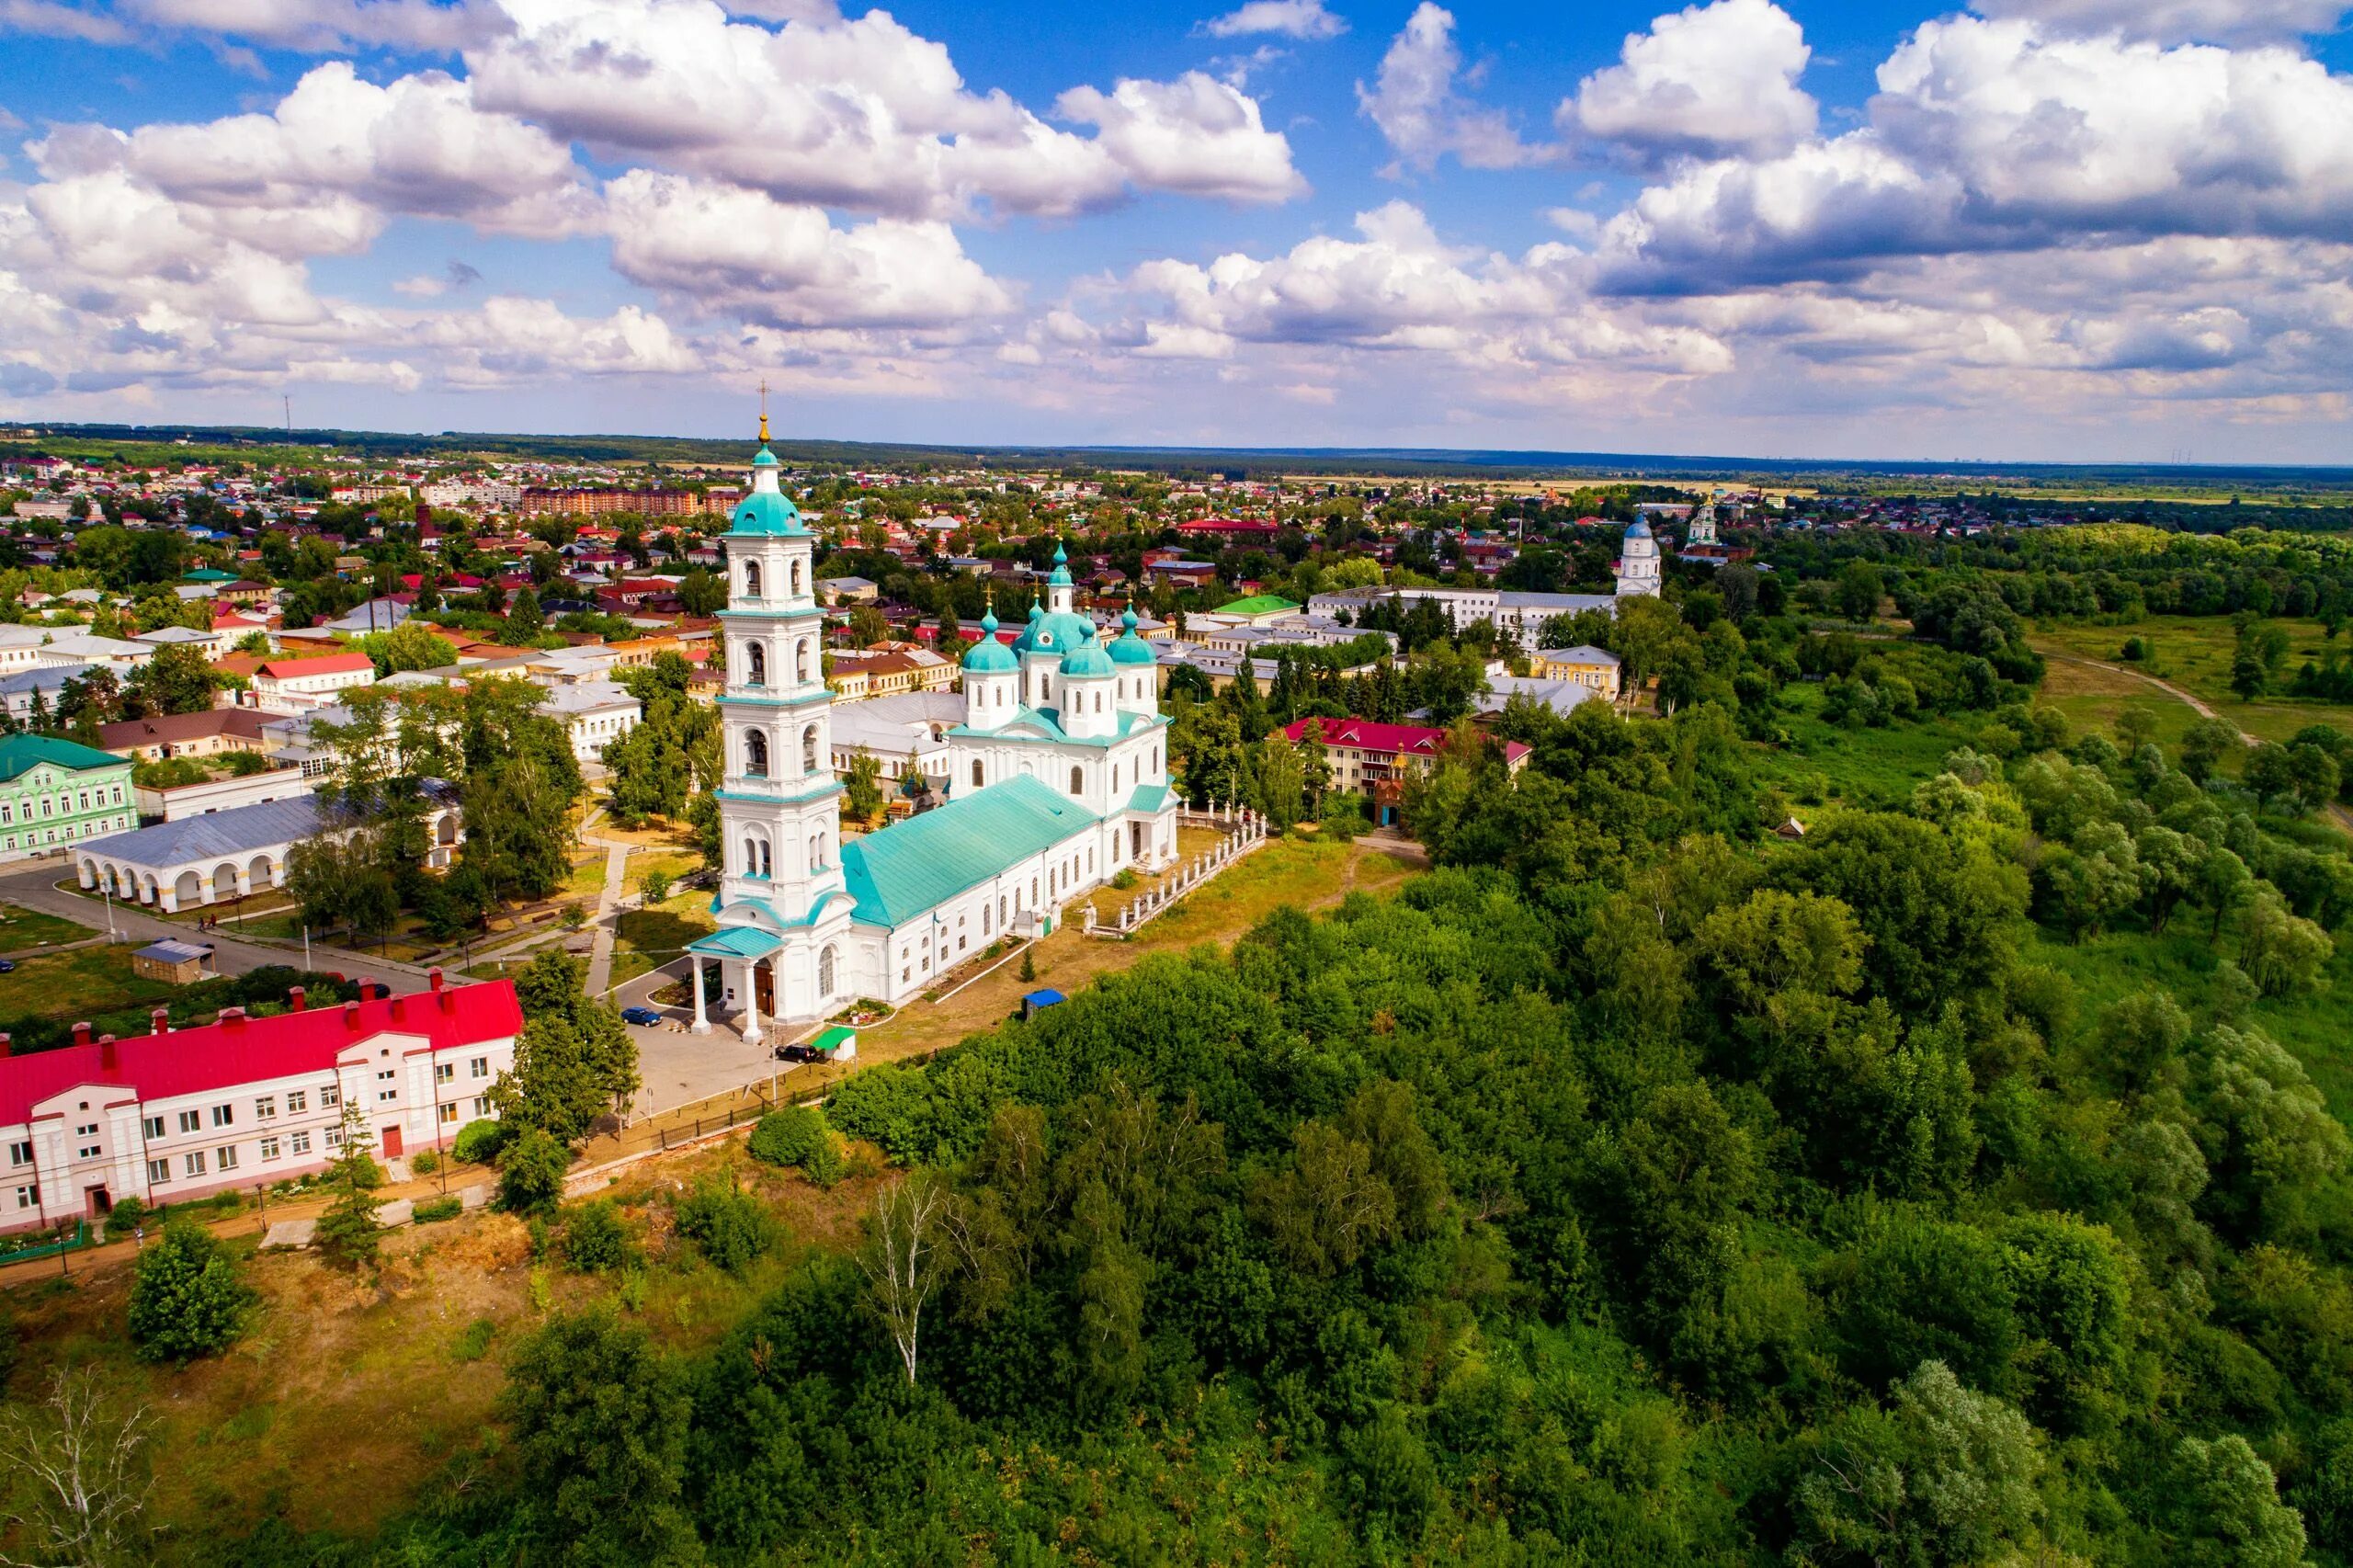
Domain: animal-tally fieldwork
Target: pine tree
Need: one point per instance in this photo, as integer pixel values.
(347, 1233)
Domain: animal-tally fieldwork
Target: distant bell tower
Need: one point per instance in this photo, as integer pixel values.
(1638, 568)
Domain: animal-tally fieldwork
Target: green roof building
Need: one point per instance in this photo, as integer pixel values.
(54, 792)
(1257, 608)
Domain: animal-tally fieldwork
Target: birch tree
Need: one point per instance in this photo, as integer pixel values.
(904, 1258)
(78, 1463)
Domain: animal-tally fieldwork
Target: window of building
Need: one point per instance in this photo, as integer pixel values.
(478, 1068)
(192, 1163)
(28, 1196)
(330, 1097)
(976, 773)
(158, 1172)
(223, 1115)
(20, 1154)
(299, 1143)
(444, 1071)
(333, 1139)
(85, 1150)
(150, 1127)
(1077, 779)
(228, 1156)
(297, 1102)
(756, 754)
(269, 1148)
(449, 1114)
(265, 1108)
(191, 1122)
(482, 1104)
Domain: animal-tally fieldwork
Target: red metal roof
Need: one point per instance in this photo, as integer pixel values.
(222, 1055)
(1410, 740)
(323, 665)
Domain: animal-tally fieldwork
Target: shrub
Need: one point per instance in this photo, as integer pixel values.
(475, 1344)
(797, 1136)
(425, 1162)
(530, 1172)
(187, 1299)
(478, 1143)
(732, 1228)
(597, 1239)
(128, 1215)
(433, 1210)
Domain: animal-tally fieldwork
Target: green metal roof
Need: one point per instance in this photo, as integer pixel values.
(1256, 604)
(903, 871)
(208, 574)
(737, 942)
(1048, 722)
(1088, 659)
(988, 656)
(1148, 799)
(20, 754)
(834, 1039)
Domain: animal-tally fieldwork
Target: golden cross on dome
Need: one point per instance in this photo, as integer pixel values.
(764, 411)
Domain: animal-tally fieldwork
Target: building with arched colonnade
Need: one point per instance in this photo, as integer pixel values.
(233, 854)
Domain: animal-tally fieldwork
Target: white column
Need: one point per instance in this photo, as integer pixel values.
(702, 1024)
(752, 999)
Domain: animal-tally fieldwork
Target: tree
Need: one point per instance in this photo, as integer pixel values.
(532, 1168)
(601, 1426)
(1946, 1477)
(348, 1234)
(902, 1258)
(702, 592)
(2229, 1509)
(576, 1059)
(862, 787)
(185, 1297)
(2204, 744)
(2281, 951)
(78, 1475)
(176, 679)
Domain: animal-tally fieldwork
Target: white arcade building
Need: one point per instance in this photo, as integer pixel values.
(1059, 780)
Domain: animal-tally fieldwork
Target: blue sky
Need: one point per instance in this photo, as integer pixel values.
(2040, 229)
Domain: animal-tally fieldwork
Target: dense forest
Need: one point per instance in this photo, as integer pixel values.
(1638, 1186)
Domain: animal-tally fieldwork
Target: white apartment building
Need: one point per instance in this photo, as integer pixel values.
(243, 1101)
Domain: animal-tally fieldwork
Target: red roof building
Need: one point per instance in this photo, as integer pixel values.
(179, 1113)
(1374, 760)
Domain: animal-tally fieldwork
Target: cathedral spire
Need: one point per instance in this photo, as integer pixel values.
(764, 411)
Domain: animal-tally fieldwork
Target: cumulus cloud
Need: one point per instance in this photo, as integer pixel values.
(318, 173)
(1196, 136)
(1709, 81)
(1415, 102)
(319, 26)
(861, 114)
(1306, 20)
(2173, 21)
(746, 253)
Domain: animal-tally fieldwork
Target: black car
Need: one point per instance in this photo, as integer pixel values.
(795, 1053)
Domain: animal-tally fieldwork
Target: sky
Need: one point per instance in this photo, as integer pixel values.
(2036, 229)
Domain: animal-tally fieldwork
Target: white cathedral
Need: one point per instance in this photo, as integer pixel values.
(1060, 781)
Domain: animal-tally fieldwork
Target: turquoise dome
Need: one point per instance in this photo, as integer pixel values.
(1131, 649)
(988, 656)
(767, 510)
(1087, 660)
(1053, 631)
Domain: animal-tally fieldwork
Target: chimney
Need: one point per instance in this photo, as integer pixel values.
(351, 1015)
(8, 1047)
(232, 1018)
(367, 989)
(82, 1034)
(107, 1058)
(162, 1018)
(295, 1000)
(433, 977)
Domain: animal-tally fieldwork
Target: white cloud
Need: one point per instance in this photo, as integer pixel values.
(1306, 20)
(320, 26)
(1709, 80)
(860, 114)
(1415, 103)
(744, 252)
(53, 20)
(2168, 21)
(1196, 136)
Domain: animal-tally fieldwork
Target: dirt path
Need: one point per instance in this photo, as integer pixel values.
(2338, 814)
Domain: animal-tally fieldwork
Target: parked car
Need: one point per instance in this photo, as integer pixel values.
(640, 1016)
(7, 966)
(795, 1053)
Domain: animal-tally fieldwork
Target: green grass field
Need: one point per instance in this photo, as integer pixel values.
(77, 984)
(1824, 762)
(644, 939)
(22, 928)
(2194, 653)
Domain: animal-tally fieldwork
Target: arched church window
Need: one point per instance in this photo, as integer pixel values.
(800, 656)
(809, 749)
(756, 754)
(1099, 702)
(976, 773)
(757, 673)
(796, 579)
(768, 863)
(825, 972)
(1115, 778)
(751, 579)
(1077, 779)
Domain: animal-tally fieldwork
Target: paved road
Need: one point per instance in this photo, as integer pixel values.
(32, 884)
(600, 957)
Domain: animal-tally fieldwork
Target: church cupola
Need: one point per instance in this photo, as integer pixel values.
(1089, 704)
(992, 679)
(1137, 669)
